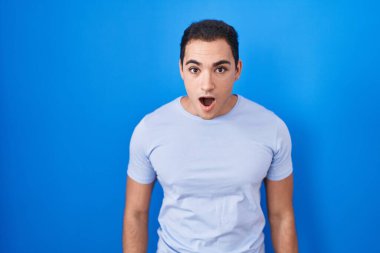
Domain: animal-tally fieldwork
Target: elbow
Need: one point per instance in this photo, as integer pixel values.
(135, 215)
(280, 217)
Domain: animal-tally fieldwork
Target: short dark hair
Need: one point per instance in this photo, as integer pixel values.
(211, 30)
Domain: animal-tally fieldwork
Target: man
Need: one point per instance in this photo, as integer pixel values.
(210, 151)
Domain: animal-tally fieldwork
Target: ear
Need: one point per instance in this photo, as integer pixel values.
(180, 68)
(238, 69)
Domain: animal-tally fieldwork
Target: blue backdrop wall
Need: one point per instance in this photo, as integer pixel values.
(77, 76)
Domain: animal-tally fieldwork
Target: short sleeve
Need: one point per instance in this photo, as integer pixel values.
(139, 166)
(281, 165)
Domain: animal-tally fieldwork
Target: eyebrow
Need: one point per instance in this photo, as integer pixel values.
(214, 64)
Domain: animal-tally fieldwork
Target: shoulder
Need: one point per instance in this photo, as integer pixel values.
(160, 115)
(260, 113)
(268, 127)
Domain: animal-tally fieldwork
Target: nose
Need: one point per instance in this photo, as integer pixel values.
(207, 82)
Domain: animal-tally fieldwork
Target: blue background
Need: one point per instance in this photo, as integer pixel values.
(77, 76)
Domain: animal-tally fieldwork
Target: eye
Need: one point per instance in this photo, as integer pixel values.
(193, 70)
(221, 69)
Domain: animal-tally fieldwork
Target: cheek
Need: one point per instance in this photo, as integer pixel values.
(225, 81)
(191, 82)
(190, 86)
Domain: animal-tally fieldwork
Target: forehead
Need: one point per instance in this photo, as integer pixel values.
(208, 51)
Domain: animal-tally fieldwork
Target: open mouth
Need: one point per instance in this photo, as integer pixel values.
(206, 101)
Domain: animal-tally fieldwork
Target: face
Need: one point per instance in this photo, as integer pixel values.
(209, 73)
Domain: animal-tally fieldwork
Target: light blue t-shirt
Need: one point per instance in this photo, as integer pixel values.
(211, 172)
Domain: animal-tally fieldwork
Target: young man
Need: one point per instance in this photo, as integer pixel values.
(210, 151)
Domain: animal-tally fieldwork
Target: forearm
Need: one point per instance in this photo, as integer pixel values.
(283, 232)
(135, 233)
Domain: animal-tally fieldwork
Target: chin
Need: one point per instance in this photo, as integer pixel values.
(207, 117)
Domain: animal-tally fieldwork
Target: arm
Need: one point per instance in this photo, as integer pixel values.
(135, 225)
(281, 215)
